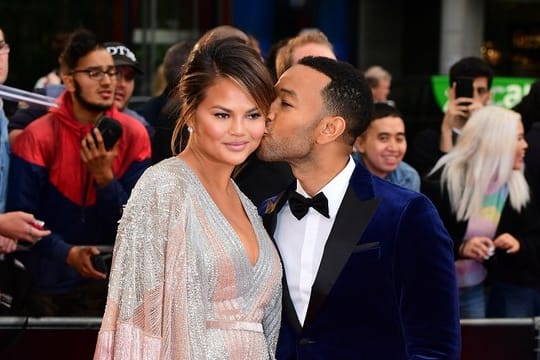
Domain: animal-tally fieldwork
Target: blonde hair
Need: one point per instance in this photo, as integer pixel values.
(284, 57)
(484, 152)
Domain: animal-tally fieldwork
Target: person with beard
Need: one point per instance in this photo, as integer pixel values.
(128, 68)
(368, 266)
(62, 173)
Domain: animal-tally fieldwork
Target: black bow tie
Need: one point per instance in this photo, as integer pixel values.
(300, 205)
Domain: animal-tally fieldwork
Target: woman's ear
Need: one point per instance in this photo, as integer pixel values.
(189, 122)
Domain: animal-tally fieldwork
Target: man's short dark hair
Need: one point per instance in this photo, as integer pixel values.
(347, 94)
(471, 67)
(382, 110)
(80, 43)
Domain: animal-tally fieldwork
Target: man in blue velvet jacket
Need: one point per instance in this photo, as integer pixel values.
(369, 267)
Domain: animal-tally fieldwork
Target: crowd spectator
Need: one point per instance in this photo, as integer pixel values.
(62, 172)
(382, 146)
(380, 82)
(429, 144)
(162, 111)
(14, 226)
(128, 67)
(309, 43)
(484, 201)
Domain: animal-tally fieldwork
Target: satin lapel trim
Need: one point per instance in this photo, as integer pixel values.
(351, 220)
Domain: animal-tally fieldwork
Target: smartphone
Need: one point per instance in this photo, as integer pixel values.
(39, 224)
(464, 87)
(110, 130)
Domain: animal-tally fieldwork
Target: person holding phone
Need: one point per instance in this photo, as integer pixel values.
(470, 82)
(14, 226)
(62, 172)
(485, 203)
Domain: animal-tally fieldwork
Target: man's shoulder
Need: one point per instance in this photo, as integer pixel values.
(40, 129)
(38, 141)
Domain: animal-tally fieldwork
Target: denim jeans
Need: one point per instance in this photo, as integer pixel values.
(472, 302)
(511, 301)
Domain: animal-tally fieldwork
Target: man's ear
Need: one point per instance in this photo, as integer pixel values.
(331, 128)
(68, 82)
(490, 97)
(359, 144)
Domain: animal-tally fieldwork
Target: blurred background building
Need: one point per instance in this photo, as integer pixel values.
(413, 39)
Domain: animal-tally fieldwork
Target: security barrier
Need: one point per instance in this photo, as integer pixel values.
(74, 338)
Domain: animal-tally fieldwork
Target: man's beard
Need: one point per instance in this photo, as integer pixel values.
(93, 107)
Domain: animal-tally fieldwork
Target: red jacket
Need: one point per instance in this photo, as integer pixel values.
(49, 179)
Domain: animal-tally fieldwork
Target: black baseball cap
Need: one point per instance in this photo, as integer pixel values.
(122, 55)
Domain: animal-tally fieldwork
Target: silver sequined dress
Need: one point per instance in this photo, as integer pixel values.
(182, 285)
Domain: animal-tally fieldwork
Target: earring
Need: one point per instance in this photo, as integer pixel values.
(190, 129)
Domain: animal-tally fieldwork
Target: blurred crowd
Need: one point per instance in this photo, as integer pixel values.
(62, 190)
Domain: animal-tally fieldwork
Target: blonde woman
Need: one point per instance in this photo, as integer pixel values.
(484, 201)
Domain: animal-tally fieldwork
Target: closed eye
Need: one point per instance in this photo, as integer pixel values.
(285, 104)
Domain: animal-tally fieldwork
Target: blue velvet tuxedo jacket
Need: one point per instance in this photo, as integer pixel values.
(386, 285)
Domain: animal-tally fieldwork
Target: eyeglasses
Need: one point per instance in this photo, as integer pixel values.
(97, 73)
(4, 47)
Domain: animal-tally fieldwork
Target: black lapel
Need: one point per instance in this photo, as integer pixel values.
(352, 218)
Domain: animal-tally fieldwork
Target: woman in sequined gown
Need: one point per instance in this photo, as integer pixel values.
(194, 274)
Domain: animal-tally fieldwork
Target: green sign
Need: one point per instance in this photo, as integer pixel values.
(507, 91)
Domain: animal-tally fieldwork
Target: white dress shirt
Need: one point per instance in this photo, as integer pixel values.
(301, 242)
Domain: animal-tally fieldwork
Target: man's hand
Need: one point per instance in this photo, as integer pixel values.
(79, 258)
(456, 115)
(98, 160)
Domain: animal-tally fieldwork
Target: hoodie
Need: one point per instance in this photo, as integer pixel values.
(48, 178)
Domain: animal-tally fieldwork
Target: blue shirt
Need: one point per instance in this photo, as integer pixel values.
(404, 175)
(4, 157)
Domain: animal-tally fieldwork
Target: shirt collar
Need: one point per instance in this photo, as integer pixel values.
(335, 189)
